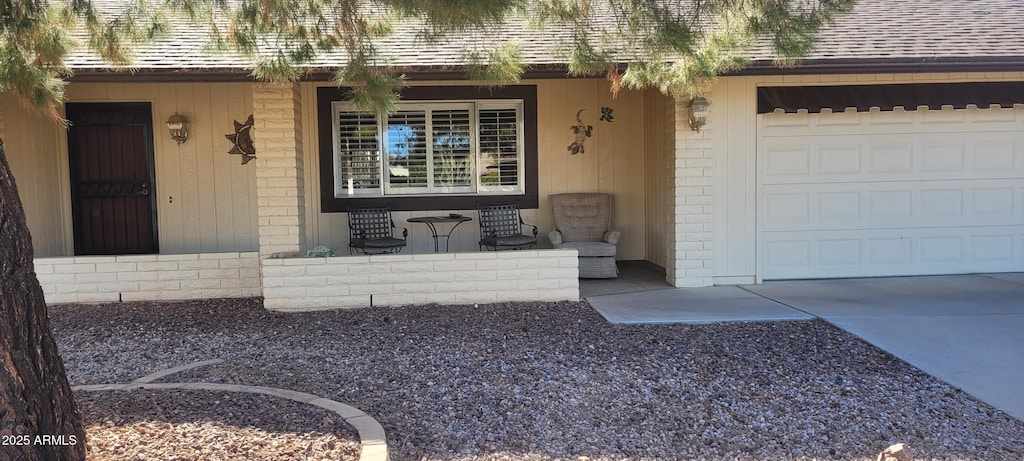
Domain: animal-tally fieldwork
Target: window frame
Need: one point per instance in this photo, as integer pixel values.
(528, 198)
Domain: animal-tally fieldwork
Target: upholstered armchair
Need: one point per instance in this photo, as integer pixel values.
(583, 221)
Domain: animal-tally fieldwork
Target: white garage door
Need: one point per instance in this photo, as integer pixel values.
(890, 193)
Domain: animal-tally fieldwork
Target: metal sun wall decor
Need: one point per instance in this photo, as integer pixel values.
(582, 132)
(242, 140)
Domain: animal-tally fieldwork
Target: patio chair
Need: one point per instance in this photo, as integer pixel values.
(372, 231)
(583, 221)
(501, 228)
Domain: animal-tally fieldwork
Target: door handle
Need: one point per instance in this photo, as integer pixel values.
(145, 189)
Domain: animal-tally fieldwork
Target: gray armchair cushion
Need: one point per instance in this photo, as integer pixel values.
(582, 217)
(590, 249)
(556, 237)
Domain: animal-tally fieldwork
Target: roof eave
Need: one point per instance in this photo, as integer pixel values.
(558, 71)
(168, 74)
(886, 65)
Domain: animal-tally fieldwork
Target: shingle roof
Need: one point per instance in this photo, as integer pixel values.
(910, 34)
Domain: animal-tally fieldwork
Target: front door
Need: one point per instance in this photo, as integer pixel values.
(111, 158)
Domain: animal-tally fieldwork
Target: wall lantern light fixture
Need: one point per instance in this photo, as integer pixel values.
(177, 125)
(698, 112)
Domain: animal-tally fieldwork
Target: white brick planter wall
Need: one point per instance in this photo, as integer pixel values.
(148, 277)
(393, 280)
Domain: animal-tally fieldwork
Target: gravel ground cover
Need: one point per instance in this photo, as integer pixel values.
(540, 381)
(207, 425)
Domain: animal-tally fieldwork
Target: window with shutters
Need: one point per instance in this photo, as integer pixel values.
(445, 147)
(430, 148)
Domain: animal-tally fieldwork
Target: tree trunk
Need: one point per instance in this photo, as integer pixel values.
(38, 416)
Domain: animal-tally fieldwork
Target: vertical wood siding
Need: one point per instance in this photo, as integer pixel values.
(614, 162)
(31, 143)
(660, 133)
(736, 102)
(205, 198)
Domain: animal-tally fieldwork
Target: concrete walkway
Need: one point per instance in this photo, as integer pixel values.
(967, 330)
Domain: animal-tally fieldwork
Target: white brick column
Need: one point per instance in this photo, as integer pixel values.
(691, 201)
(277, 114)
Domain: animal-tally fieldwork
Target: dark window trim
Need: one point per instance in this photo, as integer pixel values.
(885, 97)
(529, 199)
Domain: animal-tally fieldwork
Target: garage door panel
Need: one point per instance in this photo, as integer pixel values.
(887, 156)
(995, 155)
(789, 254)
(939, 156)
(866, 157)
(787, 160)
(837, 206)
(890, 193)
(839, 252)
(993, 248)
(788, 208)
(898, 121)
(942, 204)
(839, 160)
(942, 249)
(993, 201)
(888, 252)
(890, 204)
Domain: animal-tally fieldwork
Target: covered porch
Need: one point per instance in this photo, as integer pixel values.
(226, 229)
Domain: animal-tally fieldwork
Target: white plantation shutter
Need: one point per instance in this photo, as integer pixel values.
(453, 147)
(357, 159)
(500, 158)
(405, 140)
(452, 154)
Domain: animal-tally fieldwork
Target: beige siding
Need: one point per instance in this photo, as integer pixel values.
(660, 133)
(735, 153)
(32, 146)
(205, 198)
(735, 106)
(614, 162)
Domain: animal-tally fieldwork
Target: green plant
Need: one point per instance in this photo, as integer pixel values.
(321, 252)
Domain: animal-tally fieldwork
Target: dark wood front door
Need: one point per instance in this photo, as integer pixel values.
(111, 157)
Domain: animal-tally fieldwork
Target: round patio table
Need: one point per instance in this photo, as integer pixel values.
(432, 221)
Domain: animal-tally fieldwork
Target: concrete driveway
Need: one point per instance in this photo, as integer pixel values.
(967, 330)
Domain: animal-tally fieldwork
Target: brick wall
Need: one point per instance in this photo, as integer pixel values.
(691, 202)
(148, 277)
(449, 278)
(277, 110)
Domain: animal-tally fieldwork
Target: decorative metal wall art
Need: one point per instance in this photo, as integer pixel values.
(582, 132)
(606, 114)
(242, 140)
